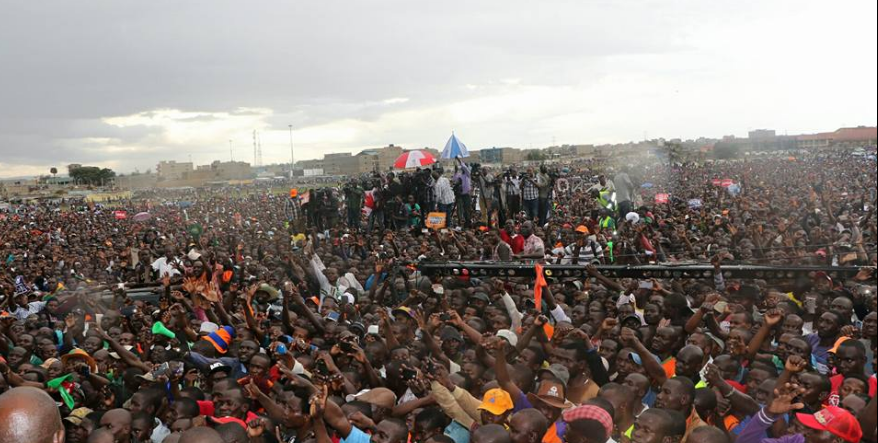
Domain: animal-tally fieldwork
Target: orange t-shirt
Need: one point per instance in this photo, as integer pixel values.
(670, 367)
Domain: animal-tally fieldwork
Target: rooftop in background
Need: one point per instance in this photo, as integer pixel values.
(857, 134)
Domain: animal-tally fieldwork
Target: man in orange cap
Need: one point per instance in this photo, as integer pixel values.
(496, 407)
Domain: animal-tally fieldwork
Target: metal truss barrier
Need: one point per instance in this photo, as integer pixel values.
(513, 270)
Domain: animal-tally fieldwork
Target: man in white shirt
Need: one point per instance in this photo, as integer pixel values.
(444, 195)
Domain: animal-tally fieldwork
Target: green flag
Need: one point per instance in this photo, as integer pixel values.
(195, 230)
(57, 385)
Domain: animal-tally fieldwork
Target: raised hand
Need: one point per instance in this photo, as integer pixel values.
(713, 375)
(773, 317)
(609, 323)
(795, 364)
(784, 397)
(251, 391)
(628, 337)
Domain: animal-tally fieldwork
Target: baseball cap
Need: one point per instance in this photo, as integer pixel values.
(451, 333)
(481, 296)
(509, 336)
(217, 367)
(636, 358)
(582, 229)
(404, 310)
(838, 343)
(834, 420)
(551, 393)
(559, 371)
(496, 401)
(77, 415)
(208, 328)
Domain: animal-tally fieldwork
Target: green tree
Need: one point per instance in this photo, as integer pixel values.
(92, 175)
(536, 156)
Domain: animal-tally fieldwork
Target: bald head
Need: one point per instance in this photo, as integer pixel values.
(528, 426)
(29, 414)
(232, 433)
(491, 434)
(707, 434)
(101, 436)
(200, 435)
(118, 422)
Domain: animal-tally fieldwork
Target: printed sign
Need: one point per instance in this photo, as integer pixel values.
(435, 220)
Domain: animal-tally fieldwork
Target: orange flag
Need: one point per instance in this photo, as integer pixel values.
(539, 284)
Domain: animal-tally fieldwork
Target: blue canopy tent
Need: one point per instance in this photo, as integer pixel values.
(455, 148)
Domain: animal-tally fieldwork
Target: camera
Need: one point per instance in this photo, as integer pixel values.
(409, 374)
(346, 346)
(321, 368)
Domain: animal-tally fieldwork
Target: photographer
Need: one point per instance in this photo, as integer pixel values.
(530, 194)
(512, 182)
(463, 188)
(545, 184)
(353, 195)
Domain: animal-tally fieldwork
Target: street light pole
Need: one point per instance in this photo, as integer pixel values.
(292, 153)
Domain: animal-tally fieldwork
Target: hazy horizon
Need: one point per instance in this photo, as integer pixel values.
(123, 85)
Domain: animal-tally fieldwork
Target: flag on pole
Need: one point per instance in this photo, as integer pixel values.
(539, 284)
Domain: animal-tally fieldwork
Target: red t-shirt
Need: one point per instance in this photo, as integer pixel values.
(515, 242)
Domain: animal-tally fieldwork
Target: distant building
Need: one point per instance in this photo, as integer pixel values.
(503, 156)
(171, 170)
(762, 134)
(228, 170)
(364, 162)
(861, 136)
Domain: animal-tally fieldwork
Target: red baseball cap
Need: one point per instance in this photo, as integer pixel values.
(836, 421)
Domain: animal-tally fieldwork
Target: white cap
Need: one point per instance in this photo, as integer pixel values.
(208, 328)
(632, 217)
(509, 336)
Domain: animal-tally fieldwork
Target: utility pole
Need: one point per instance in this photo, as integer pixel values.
(259, 147)
(292, 153)
(255, 151)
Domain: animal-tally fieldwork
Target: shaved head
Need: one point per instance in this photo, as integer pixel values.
(200, 435)
(29, 414)
(491, 434)
(101, 436)
(528, 426)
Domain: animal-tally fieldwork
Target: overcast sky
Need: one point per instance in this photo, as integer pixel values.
(126, 84)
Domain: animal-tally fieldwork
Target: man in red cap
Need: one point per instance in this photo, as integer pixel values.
(829, 425)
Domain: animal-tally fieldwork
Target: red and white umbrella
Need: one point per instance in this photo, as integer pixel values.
(414, 159)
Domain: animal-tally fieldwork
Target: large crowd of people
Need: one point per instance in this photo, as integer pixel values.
(210, 316)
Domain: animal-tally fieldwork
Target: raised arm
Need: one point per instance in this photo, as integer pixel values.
(650, 363)
(501, 369)
(771, 320)
(606, 281)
